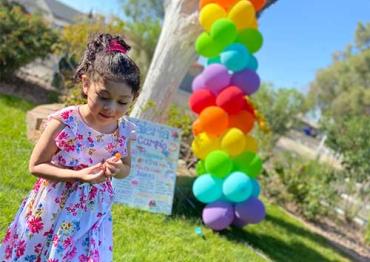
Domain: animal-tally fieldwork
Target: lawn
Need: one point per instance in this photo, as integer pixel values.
(142, 236)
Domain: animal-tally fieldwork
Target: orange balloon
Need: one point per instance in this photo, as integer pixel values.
(197, 127)
(244, 121)
(258, 4)
(224, 3)
(214, 120)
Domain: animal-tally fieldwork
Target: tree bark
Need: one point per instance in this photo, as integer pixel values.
(174, 54)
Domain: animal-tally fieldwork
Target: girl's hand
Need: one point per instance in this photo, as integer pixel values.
(94, 174)
(112, 166)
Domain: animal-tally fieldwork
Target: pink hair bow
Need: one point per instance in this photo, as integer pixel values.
(115, 46)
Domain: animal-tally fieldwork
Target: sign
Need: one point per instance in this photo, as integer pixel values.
(154, 155)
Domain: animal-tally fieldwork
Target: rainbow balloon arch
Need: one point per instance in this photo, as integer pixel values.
(228, 162)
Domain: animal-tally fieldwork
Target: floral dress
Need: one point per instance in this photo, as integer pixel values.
(69, 221)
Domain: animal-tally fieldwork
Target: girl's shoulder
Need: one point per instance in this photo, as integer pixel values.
(66, 115)
(128, 127)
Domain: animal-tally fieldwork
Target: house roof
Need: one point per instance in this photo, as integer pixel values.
(63, 12)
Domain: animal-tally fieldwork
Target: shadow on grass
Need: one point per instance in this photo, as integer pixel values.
(15, 102)
(186, 206)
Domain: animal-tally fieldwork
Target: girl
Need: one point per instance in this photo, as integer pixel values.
(67, 216)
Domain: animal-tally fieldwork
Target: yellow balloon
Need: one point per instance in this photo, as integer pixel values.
(209, 14)
(242, 14)
(203, 144)
(233, 142)
(251, 144)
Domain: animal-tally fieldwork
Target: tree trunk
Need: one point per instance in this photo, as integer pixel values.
(174, 54)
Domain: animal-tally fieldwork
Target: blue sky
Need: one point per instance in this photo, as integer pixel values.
(300, 36)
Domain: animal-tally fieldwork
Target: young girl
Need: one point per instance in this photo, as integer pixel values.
(67, 216)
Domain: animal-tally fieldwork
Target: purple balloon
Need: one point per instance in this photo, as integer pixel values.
(237, 222)
(198, 83)
(216, 78)
(218, 215)
(251, 211)
(246, 80)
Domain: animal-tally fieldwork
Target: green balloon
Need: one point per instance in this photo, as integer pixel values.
(224, 32)
(200, 169)
(249, 163)
(206, 46)
(251, 38)
(218, 163)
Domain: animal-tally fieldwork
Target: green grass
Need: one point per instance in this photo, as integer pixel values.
(142, 236)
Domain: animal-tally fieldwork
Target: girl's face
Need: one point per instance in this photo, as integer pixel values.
(107, 101)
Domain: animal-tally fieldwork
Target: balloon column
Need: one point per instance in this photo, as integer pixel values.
(228, 162)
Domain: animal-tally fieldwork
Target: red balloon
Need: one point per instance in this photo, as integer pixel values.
(201, 99)
(244, 121)
(231, 99)
(258, 4)
(248, 107)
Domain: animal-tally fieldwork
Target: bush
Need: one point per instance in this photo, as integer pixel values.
(23, 38)
(308, 184)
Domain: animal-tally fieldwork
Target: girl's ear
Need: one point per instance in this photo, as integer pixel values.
(85, 84)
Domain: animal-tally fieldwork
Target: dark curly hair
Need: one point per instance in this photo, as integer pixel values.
(98, 63)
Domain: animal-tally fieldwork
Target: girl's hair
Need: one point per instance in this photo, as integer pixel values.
(105, 58)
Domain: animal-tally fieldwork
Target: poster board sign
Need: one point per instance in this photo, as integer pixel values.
(154, 155)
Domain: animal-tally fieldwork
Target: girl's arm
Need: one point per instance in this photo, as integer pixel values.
(40, 163)
(45, 148)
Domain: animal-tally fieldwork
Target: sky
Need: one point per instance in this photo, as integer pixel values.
(300, 36)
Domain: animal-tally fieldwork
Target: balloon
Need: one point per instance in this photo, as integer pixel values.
(218, 163)
(239, 223)
(256, 188)
(231, 99)
(198, 83)
(249, 163)
(233, 142)
(251, 144)
(252, 63)
(200, 169)
(224, 32)
(248, 107)
(203, 144)
(216, 77)
(235, 57)
(258, 4)
(244, 121)
(206, 46)
(237, 187)
(246, 80)
(201, 99)
(207, 188)
(242, 14)
(214, 120)
(197, 127)
(218, 215)
(209, 14)
(226, 4)
(251, 211)
(251, 38)
(213, 60)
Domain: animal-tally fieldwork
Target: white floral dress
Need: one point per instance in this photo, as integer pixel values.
(65, 221)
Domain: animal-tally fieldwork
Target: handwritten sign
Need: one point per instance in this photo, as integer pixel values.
(154, 155)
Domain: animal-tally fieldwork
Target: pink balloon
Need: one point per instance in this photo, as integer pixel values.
(246, 80)
(198, 83)
(216, 77)
(218, 215)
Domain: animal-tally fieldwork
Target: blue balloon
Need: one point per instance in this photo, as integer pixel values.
(237, 187)
(256, 188)
(207, 188)
(235, 57)
(252, 64)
